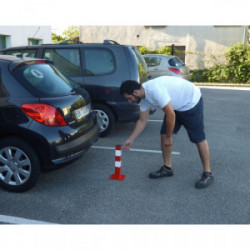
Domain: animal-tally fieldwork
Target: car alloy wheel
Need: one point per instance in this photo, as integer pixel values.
(105, 119)
(15, 166)
(19, 164)
(102, 119)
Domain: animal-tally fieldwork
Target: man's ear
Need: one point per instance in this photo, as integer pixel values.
(136, 92)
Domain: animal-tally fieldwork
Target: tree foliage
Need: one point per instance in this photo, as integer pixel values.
(70, 33)
(56, 38)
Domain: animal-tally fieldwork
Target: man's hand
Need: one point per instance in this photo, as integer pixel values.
(139, 126)
(127, 144)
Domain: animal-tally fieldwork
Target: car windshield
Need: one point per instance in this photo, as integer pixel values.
(43, 80)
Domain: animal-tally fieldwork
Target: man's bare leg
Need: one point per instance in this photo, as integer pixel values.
(203, 149)
(166, 152)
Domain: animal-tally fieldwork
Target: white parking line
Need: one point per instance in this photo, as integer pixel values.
(155, 120)
(17, 220)
(226, 87)
(135, 150)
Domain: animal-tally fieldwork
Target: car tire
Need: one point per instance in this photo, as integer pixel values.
(19, 165)
(105, 118)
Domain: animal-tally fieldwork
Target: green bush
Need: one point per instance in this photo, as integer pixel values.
(144, 50)
(238, 63)
(236, 69)
(163, 50)
(198, 75)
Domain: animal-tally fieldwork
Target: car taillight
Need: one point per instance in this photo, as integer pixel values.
(34, 62)
(177, 71)
(44, 113)
(40, 61)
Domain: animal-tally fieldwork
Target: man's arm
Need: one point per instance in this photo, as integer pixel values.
(139, 127)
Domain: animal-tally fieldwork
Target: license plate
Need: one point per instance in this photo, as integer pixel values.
(81, 112)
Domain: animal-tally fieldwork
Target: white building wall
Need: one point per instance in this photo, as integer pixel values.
(18, 35)
(200, 41)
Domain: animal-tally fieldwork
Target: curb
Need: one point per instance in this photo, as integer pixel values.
(223, 85)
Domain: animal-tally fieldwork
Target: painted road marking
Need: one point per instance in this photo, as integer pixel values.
(155, 120)
(18, 220)
(225, 87)
(135, 150)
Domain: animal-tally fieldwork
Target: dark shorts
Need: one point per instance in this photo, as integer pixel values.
(192, 120)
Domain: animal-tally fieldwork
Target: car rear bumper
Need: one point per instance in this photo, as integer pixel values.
(186, 77)
(58, 145)
(78, 143)
(78, 146)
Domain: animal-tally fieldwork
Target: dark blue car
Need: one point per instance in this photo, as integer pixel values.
(99, 68)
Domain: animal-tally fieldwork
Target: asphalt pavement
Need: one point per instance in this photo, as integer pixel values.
(82, 192)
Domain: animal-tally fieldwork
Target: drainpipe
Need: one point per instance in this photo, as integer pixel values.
(172, 49)
(245, 35)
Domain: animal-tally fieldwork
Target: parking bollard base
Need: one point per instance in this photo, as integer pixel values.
(117, 175)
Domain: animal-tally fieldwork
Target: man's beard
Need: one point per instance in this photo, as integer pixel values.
(138, 99)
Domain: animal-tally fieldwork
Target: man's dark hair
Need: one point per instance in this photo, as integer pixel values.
(129, 86)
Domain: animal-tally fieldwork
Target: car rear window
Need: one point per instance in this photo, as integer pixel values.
(25, 53)
(13, 52)
(142, 66)
(29, 53)
(153, 61)
(175, 62)
(43, 80)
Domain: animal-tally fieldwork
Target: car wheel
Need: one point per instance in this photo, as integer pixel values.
(105, 118)
(19, 165)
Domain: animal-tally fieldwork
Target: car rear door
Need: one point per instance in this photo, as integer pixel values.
(104, 70)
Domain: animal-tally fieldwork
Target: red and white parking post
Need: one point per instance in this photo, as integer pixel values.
(118, 164)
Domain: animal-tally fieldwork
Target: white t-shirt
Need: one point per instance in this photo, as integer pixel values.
(182, 94)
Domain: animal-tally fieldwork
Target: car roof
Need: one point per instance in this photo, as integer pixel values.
(11, 58)
(67, 44)
(159, 55)
(17, 59)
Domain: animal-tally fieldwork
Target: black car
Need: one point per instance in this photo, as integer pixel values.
(45, 121)
(100, 69)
